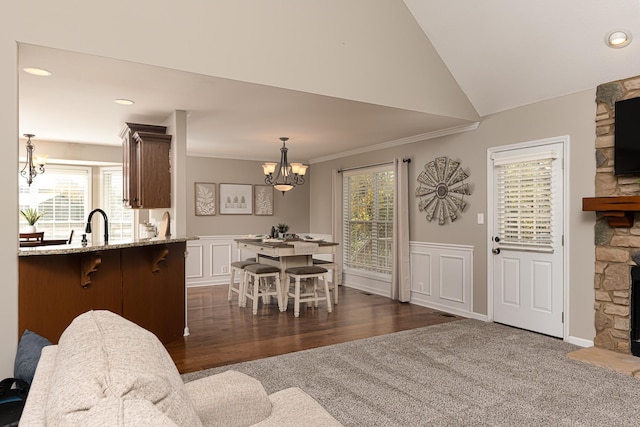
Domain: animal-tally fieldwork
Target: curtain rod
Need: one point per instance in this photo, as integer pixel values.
(404, 160)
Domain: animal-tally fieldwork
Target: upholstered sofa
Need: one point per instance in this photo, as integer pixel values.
(107, 371)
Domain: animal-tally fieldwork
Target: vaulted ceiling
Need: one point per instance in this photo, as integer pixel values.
(466, 59)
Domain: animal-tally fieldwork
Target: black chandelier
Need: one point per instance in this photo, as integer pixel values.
(284, 175)
(30, 170)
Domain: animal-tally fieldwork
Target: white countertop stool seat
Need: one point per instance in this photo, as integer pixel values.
(239, 267)
(310, 294)
(258, 284)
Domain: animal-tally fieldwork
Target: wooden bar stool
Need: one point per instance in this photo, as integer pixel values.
(239, 267)
(313, 272)
(330, 265)
(258, 285)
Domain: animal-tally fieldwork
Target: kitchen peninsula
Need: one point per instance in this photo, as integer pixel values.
(142, 280)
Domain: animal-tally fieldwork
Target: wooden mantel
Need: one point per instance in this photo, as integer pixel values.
(619, 210)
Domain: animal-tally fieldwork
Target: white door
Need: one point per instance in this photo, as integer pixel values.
(527, 188)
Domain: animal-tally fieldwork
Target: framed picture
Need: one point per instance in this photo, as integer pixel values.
(204, 197)
(236, 199)
(263, 199)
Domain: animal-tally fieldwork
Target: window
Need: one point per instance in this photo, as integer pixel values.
(525, 195)
(120, 218)
(63, 194)
(368, 219)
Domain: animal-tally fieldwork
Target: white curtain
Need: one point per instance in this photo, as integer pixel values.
(400, 276)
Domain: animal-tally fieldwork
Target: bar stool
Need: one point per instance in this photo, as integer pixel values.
(330, 265)
(257, 285)
(310, 295)
(239, 267)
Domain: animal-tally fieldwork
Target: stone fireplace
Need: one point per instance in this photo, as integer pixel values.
(617, 248)
(635, 313)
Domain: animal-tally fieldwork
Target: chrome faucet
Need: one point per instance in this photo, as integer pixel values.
(106, 223)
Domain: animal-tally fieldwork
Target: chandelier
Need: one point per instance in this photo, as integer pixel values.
(29, 171)
(284, 175)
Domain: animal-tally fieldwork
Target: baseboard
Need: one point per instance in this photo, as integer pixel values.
(201, 284)
(369, 290)
(581, 342)
(443, 308)
(451, 310)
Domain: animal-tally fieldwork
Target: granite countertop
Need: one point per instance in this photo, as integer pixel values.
(99, 246)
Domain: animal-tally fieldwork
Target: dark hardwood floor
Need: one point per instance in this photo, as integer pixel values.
(221, 333)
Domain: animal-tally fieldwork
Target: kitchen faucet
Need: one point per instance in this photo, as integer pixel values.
(106, 223)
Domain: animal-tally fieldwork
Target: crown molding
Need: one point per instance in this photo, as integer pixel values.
(395, 143)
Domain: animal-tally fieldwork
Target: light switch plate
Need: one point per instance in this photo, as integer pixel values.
(480, 218)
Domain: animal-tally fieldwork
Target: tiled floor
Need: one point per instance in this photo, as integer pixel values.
(624, 363)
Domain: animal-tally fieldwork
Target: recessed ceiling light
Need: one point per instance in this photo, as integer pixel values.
(37, 71)
(124, 101)
(618, 38)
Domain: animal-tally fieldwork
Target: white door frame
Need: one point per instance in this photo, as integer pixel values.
(565, 220)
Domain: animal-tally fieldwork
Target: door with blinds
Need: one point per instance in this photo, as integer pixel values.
(527, 237)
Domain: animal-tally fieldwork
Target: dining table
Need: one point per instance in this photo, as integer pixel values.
(286, 253)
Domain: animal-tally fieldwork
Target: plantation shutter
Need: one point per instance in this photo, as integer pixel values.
(63, 195)
(525, 192)
(367, 199)
(120, 218)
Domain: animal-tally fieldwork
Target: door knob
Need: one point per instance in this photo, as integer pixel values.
(496, 239)
(496, 251)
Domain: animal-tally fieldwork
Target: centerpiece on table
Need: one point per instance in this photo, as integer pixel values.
(282, 229)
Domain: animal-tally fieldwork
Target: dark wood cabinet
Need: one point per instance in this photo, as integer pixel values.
(144, 284)
(146, 166)
(52, 293)
(150, 295)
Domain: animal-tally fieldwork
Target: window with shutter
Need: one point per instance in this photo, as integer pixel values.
(120, 218)
(368, 219)
(63, 194)
(525, 191)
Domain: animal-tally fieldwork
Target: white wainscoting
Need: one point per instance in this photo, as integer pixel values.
(209, 260)
(442, 277)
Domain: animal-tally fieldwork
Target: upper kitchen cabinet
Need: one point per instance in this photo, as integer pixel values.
(146, 166)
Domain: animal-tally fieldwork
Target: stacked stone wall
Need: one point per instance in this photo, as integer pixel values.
(617, 249)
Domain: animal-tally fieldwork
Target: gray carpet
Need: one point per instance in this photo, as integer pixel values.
(461, 373)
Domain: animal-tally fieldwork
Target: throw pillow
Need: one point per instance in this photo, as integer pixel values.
(28, 355)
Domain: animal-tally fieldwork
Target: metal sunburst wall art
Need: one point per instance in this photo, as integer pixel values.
(441, 189)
